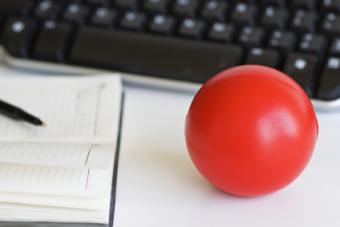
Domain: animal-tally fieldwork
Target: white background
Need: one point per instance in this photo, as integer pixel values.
(159, 186)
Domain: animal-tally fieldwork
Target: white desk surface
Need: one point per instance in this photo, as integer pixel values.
(159, 187)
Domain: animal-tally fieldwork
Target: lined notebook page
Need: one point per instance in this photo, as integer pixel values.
(10, 212)
(75, 109)
(50, 180)
(29, 178)
(77, 155)
(80, 202)
(62, 172)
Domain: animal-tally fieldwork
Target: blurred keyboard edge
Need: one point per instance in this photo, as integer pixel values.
(180, 40)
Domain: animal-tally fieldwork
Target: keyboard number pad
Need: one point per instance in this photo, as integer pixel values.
(312, 43)
(331, 24)
(284, 41)
(251, 36)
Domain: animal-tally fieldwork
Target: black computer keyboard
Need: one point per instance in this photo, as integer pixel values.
(187, 40)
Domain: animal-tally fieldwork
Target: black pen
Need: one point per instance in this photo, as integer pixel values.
(19, 114)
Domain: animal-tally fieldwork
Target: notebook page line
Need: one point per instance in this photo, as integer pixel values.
(28, 178)
(57, 154)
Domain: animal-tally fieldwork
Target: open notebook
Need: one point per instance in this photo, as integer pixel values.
(63, 172)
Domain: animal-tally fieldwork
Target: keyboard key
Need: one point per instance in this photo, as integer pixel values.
(335, 47)
(306, 4)
(274, 18)
(156, 6)
(284, 41)
(302, 67)
(250, 36)
(152, 55)
(329, 87)
(127, 4)
(18, 7)
(162, 24)
(221, 32)
(276, 3)
(191, 28)
(331, 24)
(103, 17)
(304, 21)
(243, 14)
(133, 21)
(185, 7)
(250, 2)
(76, 13)
(98, 2)
(260, 56)
(214, 10)
(330, 6)
(313, 43)
(1, 24)
(17, 36)
(47, 9)
(52, 41)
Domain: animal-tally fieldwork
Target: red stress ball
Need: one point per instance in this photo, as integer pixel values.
(251, 130)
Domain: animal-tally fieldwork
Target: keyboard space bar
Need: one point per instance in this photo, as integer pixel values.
(152, 55)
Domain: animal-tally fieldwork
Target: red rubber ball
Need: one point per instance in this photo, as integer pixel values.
(251, 130)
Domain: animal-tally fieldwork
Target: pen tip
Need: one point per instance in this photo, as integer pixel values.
(43, 124)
